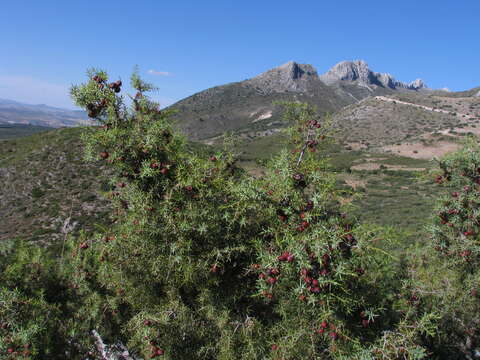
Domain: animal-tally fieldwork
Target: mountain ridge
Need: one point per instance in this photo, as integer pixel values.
(15, 112)
(358, 70)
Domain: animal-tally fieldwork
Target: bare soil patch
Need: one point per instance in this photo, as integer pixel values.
(423, 151)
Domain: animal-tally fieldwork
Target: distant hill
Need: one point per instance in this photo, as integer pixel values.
(13, 112)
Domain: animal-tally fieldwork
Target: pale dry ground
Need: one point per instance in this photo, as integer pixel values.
(356, 146)
(428, 108)
(354, 182)
(376, 166)
(423, 151)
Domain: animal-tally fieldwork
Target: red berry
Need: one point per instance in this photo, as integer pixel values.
(147, 323)
(274, 347)
(213, 158)
(324, 324)
(273, 271)
(84, 245)
(104, 155)
(214, 269)
(302, 297)
(290, 258)
(272, 280)
(333, 335)
(164, 171)
(365, 322)
(10, 350)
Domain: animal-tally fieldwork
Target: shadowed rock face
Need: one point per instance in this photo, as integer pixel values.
(358, 71)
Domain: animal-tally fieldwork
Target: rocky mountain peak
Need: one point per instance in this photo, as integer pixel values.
(290, 76)
(358, 71)
(417, 84)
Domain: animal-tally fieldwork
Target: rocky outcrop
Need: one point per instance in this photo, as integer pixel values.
(478, 94)
(417, 85)
(287, 77)
(358, 72)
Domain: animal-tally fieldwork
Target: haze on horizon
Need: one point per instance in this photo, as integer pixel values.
(187, 46)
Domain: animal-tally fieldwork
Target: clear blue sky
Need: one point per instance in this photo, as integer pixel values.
(47, 45)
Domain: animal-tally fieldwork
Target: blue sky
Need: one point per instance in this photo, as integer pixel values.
(47, 45)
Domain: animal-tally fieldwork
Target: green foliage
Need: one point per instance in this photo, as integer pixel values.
(446, 274)
(201, 261)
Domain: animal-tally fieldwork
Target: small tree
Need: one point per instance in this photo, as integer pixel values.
(202, 261)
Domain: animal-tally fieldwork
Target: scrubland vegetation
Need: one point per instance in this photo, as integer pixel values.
(200, 260)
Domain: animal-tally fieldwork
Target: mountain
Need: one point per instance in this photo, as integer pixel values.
(247, 107)
(13, 112)
(355, 78)
(358, 71)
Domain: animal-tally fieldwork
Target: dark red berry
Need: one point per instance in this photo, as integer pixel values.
(272, 280)
(333, 335)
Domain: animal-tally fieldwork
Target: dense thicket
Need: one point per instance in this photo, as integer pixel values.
(203, 261)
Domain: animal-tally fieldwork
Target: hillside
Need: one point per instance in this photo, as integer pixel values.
(11, 131)
(410, 124)
(47, 189)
